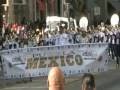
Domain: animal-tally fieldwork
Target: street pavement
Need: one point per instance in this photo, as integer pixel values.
(109, 80)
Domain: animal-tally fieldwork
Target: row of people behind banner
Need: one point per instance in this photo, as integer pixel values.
(62, 36)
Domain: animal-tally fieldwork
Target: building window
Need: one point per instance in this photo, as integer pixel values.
(3, 1)
(19, 2)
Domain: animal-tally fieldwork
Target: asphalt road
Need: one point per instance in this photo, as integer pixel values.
(104, 81)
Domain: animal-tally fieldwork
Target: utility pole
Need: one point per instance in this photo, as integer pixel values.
(35, 10)
(1, 13)
(62, 9)
(106, 10)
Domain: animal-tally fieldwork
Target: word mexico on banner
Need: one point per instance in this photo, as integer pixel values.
(37, 61)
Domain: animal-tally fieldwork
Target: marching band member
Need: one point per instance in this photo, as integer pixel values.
(63, 38)
(107, 35)
(6, 43)
(117, 47)
(57, 37)
(90, 38)
(95, 36)
(46, 39)
(113, 42)
(102, 26)
(84, 38)
(50, 38)
(70, 37)
(77, 37)
(101, 36)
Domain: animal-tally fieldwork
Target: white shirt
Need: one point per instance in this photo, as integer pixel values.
(101, 34)
(84, 40)
(64, 39)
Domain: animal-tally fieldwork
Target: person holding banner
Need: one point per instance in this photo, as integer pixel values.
(117, 48)
(101, 36)
(84, 38)
(88, 82)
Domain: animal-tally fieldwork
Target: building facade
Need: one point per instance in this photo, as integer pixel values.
(95, 10)
(16, 10)
(101, 10)
(19, 9)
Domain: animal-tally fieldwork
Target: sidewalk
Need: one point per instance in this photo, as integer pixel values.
(40, 80)
(112, 65)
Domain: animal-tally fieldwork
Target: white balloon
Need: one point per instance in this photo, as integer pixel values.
(83, 23)
(114, 19)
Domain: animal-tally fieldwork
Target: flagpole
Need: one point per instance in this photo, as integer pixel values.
(46, 8)
(35, 9)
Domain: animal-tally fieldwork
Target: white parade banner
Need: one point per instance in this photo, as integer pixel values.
(72, 59)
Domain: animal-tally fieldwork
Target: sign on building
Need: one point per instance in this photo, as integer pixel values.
(19, 2)
(96, 10)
